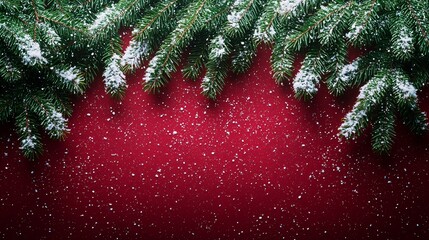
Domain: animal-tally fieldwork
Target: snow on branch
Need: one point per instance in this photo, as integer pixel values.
(218, 47)
(405, 40)
(372, 90)
(354, 31)
(30, 51)
(114, 78)
(28, 143)
(134, 54)
(55, 123)
(306, 82)
(206, 84)
(287, 6)
(236, 14)
(406, 89)
(351, 122)
(70, 75)
(264, 36)
(150, 71)
(368, 97)
(103, 19)
(349, 72)
(51, 37)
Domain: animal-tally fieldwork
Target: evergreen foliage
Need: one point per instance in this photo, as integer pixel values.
(51, 49)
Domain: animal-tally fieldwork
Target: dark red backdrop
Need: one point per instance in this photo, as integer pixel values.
(256, 164)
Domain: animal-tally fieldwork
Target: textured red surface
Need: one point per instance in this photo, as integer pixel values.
(256, 164)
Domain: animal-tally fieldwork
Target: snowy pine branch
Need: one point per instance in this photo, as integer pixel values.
(114, 78)
(371, 94)
(168, 57)
(30, 141)
(59, 46)
(43, 50)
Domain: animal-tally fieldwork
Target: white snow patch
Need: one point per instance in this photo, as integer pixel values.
(150, 71)
(114, 78)
(30, 50)
(306, 81)
(350, 124)
(102, 19)
(69, 75)
(206, 84)
(51, 35)
(28, 142)
(134, 54)
(359, 113)
(405, 40)
(265, 36)
(56, 122)
(219, 47)
(349, 71)
(286, 6)
(407, 89)
(234, 18)
(369, 90)
(355, 31)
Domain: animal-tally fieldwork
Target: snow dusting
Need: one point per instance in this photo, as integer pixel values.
(306, 81)
(56, 122)
(405, 40)
(351, 122)
(218, 47)
(206, 84)
(70, 75)
(234, 18)
(372, 88)
(103, 18)
(150, 71)
(28, 142)
(51, 36)
(368, 95)
(349, 71)
(263, 35)
(134, 54)
(406, 89)
(114, 78)
(287, 6)
(30, 50)
(254, 164)
(355, 31)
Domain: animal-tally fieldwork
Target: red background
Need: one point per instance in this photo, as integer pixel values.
(255, 164)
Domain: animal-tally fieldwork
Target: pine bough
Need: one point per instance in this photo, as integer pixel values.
(59, 46)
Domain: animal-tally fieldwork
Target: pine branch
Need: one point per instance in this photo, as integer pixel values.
(364, 23)
(52, 120)
(51, 49)
(341, 75)
(243, 54)
(265, 26)
(370, 96)
(198, 56)
(114, 78)
(402, 40)
(62, 24)
(167, 58)
(306, 36)
(384, 129)
(306, 81)
(30, 140)
(153, 26)
(112, 17)
(421, 24)
(214, 80)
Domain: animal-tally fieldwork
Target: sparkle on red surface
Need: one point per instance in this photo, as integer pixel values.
(255, 164)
